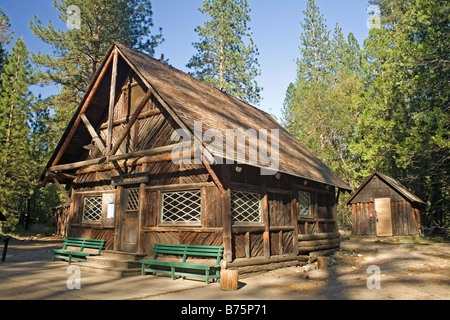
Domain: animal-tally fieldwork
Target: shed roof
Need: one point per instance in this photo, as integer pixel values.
(192, 100)
(394, 184)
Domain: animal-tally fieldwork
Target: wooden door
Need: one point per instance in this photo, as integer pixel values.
(129, 226)
(384, 217)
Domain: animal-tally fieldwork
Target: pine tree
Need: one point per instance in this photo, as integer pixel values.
(5, 28)
(226, 54)
(5, 37)
(77, 52)
(303, 110)
(16, 166)
(322, 106)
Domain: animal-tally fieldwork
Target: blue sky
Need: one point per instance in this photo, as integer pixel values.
(275, 25)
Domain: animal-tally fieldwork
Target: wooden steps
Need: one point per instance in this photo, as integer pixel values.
(114, 263)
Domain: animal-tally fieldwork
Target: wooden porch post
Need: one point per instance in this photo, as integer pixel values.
(294, 216)
(265, 205)
(226, 214)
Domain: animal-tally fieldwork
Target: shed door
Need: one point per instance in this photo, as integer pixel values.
(129, 228)
(384, 217)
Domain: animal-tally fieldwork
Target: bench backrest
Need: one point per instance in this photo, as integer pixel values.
(188, 250)
(83, 243)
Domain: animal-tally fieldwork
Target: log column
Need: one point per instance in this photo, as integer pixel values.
(226, 214)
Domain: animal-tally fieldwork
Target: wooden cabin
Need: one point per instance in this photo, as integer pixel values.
(129, 187)
(383, 207)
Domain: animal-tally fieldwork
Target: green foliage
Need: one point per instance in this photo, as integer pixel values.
(5, 28)
(77, 53)
(318, 107)
(5, 37)
(227, 55)
(383, 107)
(408, 97)
(15, 98)
(26, 143)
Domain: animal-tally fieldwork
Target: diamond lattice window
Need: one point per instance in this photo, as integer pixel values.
(182, 207)
(92, 210)
(245, 207)
(304, 203)
(133, 199)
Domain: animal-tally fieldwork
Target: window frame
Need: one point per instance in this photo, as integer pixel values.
(197, 223)
(260, 221)
(310, 215)
(100, 214)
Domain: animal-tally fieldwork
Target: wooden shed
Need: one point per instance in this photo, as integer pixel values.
(129, 186)
(383, 207)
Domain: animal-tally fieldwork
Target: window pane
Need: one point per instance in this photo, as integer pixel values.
(304, 203)
(182, 206)
(133, 199)
(245, 207)
(92, 210)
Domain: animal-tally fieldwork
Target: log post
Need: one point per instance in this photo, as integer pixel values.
(229, 280)
(226, 220)
(294, 215)
(226, 214)
(265, 206)
(93, 133)
(112, 101)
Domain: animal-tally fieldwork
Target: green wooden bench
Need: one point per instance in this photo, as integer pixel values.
(77, 245)
(183, 268)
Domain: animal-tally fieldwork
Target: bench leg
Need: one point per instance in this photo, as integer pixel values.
(172, 270)
(143, 270)
(207, 276)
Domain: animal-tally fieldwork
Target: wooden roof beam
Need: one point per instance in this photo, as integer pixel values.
(98, 141)
(82, 110)
(112, 101)
(131, 155)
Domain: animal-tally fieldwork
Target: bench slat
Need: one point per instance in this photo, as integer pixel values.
(184, 251)
(78, 255)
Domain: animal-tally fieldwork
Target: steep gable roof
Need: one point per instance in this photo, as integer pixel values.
(189, 100)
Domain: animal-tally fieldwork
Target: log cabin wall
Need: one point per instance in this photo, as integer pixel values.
(272, 233)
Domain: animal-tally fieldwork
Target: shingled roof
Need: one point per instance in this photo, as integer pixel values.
(192, 100)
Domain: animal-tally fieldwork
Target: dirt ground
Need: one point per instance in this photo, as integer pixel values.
(382, 269)
(364, 268)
